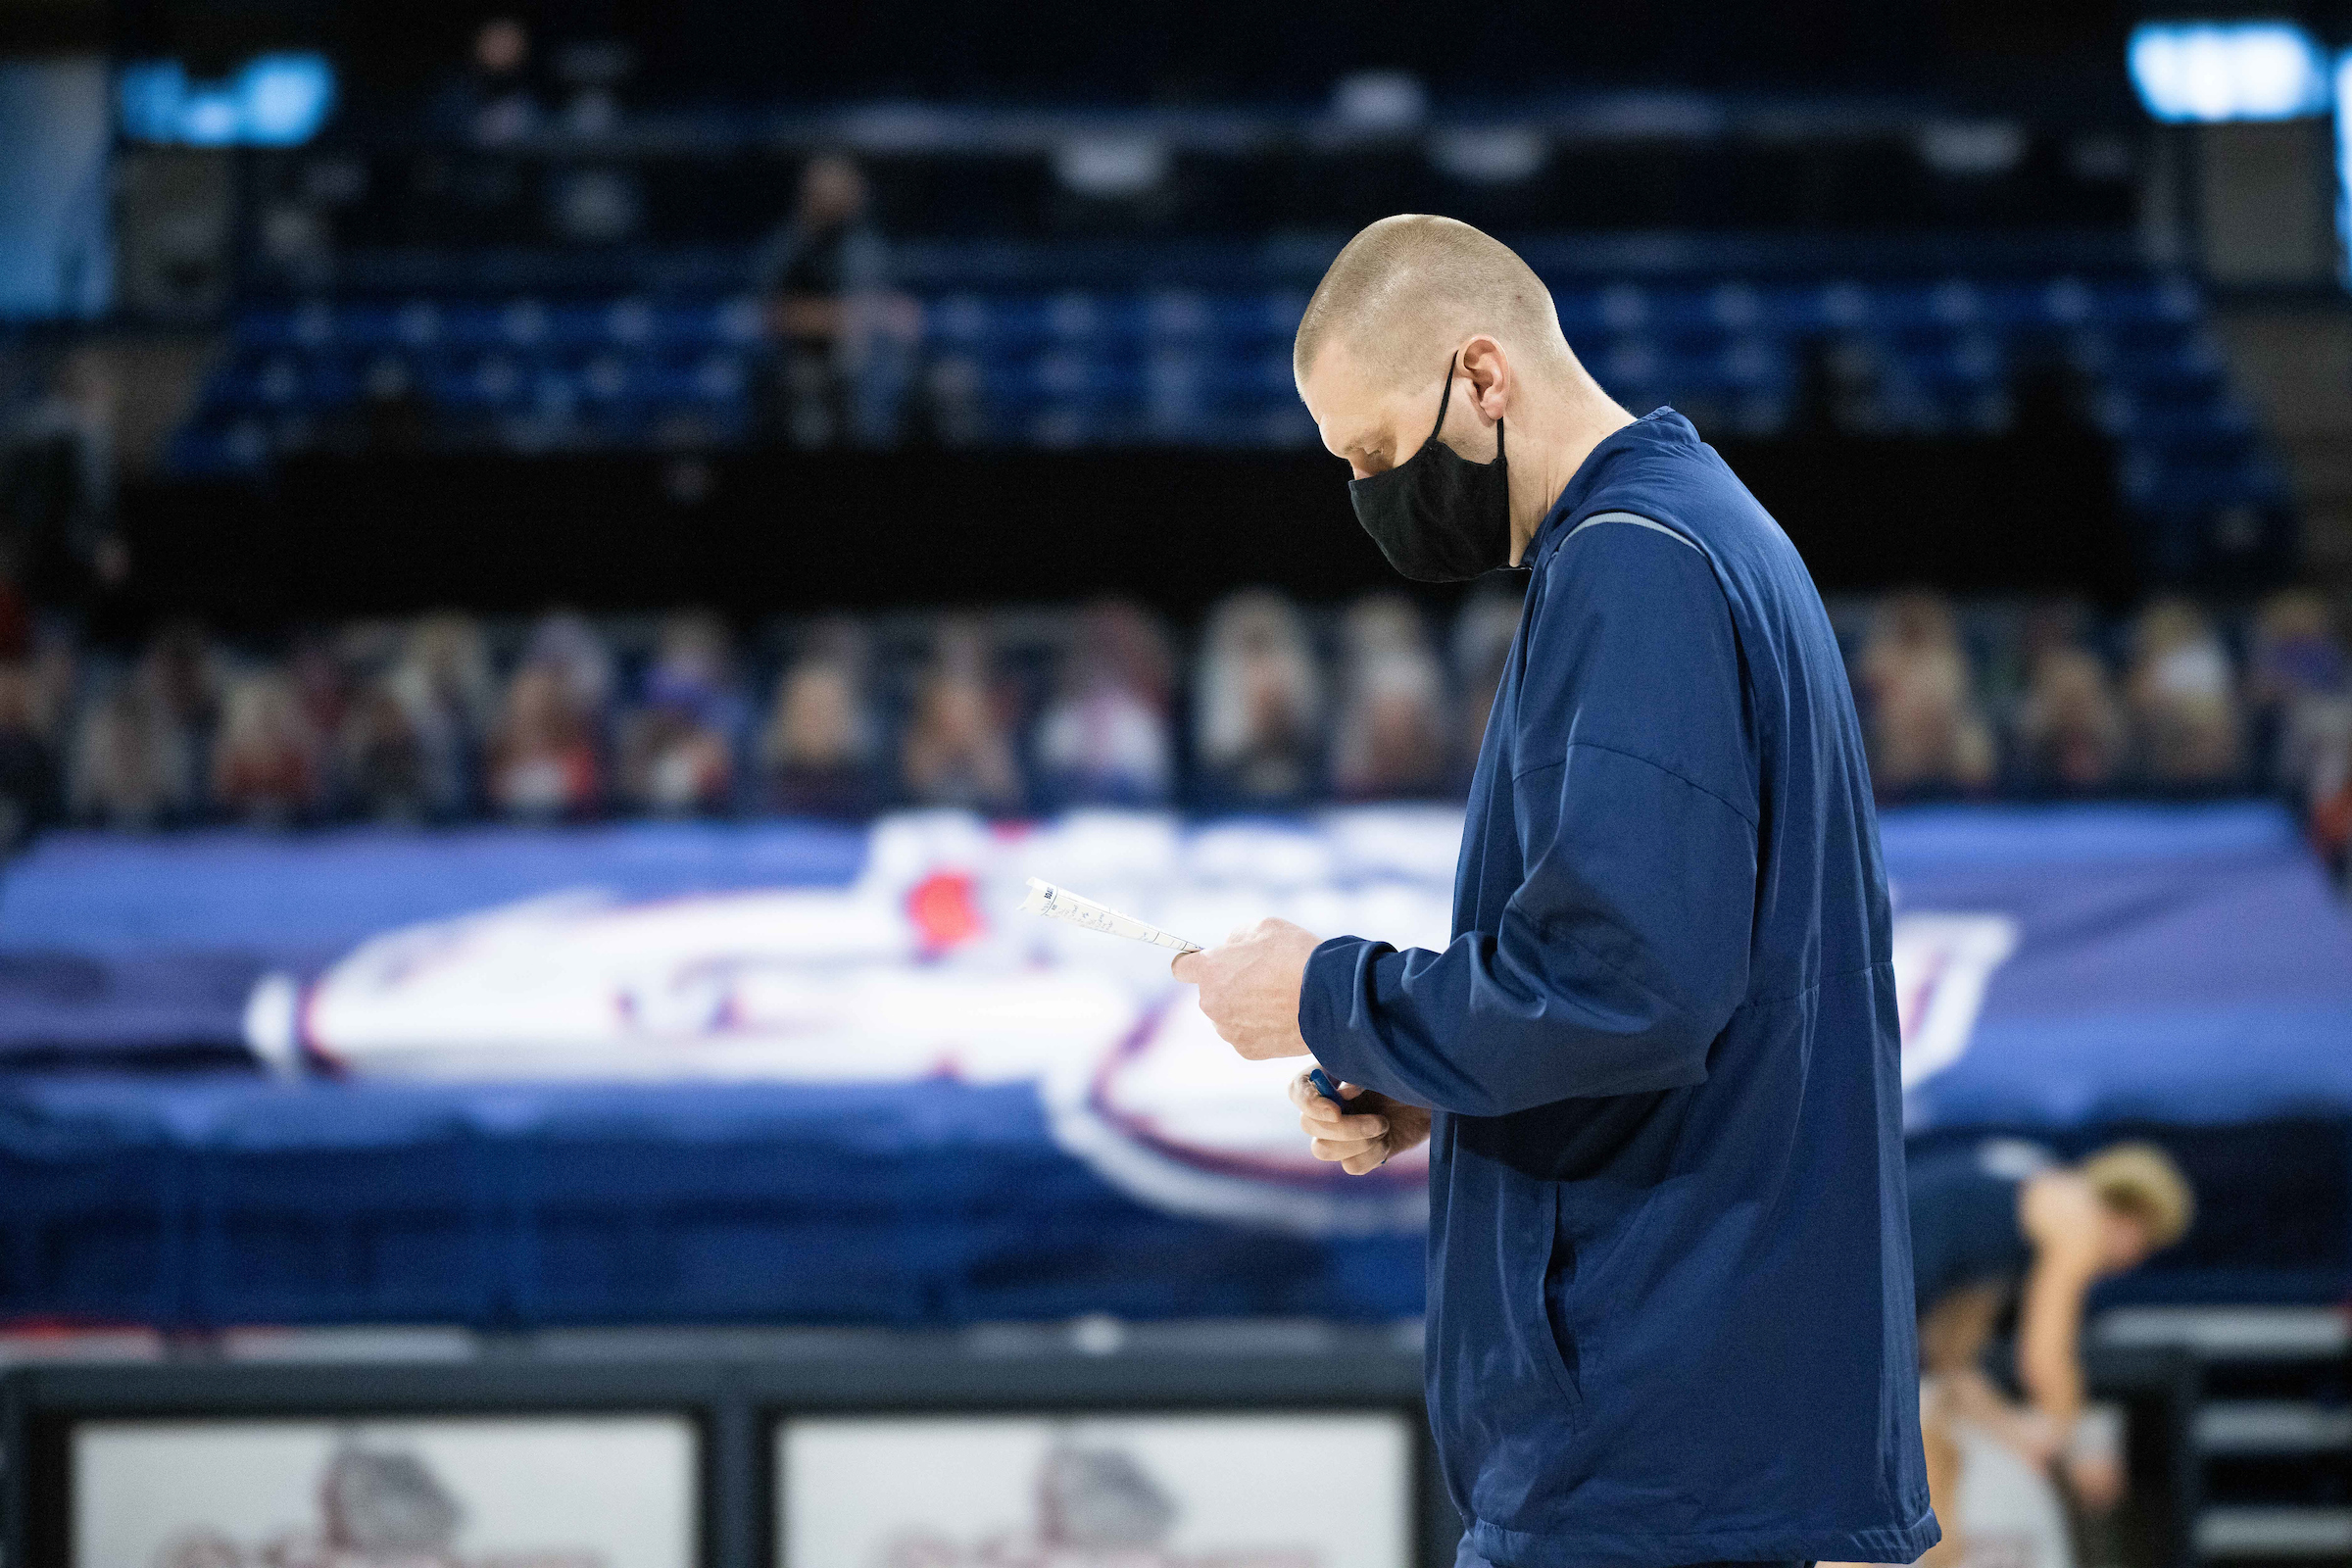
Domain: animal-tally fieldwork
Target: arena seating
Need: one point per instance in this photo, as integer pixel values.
(1210, 367)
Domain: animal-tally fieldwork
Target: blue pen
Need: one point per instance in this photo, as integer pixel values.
(1330, 1091)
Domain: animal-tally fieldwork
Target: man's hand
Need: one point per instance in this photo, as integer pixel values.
(1373, 1130)
(1250, 987)
(2027, 1432)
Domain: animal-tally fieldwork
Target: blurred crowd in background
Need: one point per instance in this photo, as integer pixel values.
(1267, 704)
(2049, 700)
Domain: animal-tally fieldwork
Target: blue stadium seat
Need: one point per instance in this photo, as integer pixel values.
(1206, 365)
(962, 319)
(1175, 315)
(1247, 318)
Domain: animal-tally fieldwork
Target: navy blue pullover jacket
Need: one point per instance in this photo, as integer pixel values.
(1670, 1314)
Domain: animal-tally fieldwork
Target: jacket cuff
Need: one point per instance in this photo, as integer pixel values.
(1326, 1004)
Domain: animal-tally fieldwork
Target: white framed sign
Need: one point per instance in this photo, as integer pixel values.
(520, 1492)
(1311, 1490)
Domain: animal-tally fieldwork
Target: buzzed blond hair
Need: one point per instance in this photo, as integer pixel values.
(1409, 288)
(2140, 1180)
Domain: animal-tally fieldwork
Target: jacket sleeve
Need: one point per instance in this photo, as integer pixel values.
(1624, 950)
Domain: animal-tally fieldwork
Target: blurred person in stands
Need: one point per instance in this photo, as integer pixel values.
(2046, 627)
(387, 771)
(1390, 740)
(266, 764)
(1258, 703)
(30, 795)
(566, 643)
(2181, 695)
(2070, 734)
(694, 666)
(2299, 684)
(677, 751)
(674, 763)
(131, 767)
(2296, 653)
(56, 666)
(1927, 737)
(1483, 633)
(816, 751)
(491, 102)
(824, 275)
(57, 497)
(543, 764)
(2000, 1227)
(183, 671)
(322, 681)
(445, 693)
(1104, 739)
(2316, 757)
(956, 750)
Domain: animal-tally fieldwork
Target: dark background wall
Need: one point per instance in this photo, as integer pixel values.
(1202, 49)
(758, 532)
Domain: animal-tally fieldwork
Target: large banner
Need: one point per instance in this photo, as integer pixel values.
(530, 1492)
(2056, 967)
(1163, 1490)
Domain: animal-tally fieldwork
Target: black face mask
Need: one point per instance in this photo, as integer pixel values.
(1437, 516)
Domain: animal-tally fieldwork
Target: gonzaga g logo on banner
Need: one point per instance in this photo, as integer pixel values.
(921, 967)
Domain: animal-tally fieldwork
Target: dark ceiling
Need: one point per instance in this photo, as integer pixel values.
(1189, 50)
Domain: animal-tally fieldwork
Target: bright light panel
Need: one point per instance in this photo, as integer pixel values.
(2207, 72)
(277, 100)
(2343, 162)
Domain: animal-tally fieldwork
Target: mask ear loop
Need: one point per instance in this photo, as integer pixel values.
(1445, 396)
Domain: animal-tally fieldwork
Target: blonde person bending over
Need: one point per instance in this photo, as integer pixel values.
(1997, 1222)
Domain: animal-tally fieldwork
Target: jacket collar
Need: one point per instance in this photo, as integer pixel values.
(1660, 425)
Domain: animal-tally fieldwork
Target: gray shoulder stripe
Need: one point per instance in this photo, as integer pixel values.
(1639, 521)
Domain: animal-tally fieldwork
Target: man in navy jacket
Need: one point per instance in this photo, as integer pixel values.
(1670, 1316)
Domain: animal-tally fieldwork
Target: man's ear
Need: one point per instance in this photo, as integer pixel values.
(1488, 369)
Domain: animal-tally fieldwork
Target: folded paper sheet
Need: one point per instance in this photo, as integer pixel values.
(1059, 904)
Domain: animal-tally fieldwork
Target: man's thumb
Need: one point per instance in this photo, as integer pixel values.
(1186, 967)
